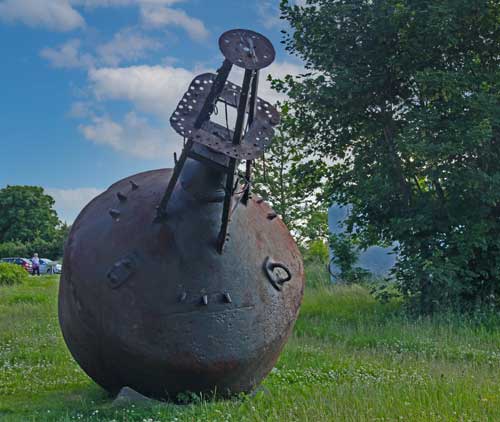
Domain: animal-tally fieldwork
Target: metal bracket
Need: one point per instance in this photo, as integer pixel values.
(121, 271)
(197, 102)
(277, 280)
(253, 131)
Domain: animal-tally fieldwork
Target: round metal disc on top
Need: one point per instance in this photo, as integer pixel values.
(247, 49)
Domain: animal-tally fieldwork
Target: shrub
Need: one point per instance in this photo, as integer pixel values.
(11, 274)
(45, 249)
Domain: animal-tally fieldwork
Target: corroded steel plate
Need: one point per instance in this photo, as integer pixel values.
(247, 49)
(216, 136)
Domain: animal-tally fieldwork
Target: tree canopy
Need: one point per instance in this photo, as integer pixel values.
(403, 96)
(291, 180)
(29, 223)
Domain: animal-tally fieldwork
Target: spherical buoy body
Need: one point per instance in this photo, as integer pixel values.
(151, 304)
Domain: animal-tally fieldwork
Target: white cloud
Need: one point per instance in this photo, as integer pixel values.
(276, 70)
(135, 135)
(118, 3)
(61, 15)
(57, 15)
(152, 89)
(81, 110)
(156, 14)
(69, 202)
(103, 130)
(156, 17)
(269, 12)
(67, 55)
(127, 45)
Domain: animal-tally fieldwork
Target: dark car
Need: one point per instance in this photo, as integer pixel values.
(23, 262)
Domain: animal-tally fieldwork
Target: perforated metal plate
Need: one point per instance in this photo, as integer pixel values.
(217, 137)
(247, 49)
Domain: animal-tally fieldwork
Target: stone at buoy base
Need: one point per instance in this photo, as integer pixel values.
(128, 396)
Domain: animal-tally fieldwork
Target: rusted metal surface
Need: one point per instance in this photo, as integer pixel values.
(216, 136)
(247, 49)
(151, 303)
(146, 325)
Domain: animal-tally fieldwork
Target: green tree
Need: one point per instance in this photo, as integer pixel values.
(28, 223)
(291, 181)
(403, 96)
(345, 257)
(26, 214)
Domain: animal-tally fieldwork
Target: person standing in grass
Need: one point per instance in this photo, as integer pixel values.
(35, 263)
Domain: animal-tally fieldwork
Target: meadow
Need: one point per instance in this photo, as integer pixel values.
(350, 359)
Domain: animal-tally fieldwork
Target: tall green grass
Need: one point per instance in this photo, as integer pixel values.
(350, 359)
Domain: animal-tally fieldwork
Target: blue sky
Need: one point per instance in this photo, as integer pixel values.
(87, 86)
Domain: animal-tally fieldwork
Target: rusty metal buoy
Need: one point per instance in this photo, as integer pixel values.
(153, 295)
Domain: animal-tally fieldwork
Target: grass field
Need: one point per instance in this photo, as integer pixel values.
(350, 359)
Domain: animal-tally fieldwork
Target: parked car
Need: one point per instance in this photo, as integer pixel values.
(48, 266)
(23, 262)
